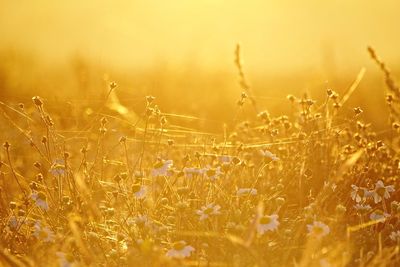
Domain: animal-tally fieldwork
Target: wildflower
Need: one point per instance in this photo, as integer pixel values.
(395, 236)
(268, 223)
(381, 191)
(378, 215)
(161, 168)
(318, 229)
(246, 192)
(362, 208)
(190, 172)
(139, 191)
(208, 210)
(64, 259)
(213, 173)
(40, 200)
(43, 233)
(58, 168)
(268, 155)
(225, 158)
(359, 193)
(180, 250)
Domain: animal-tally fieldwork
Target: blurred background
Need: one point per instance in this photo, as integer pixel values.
(182, 52)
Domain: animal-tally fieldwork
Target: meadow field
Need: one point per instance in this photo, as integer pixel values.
(210, 162)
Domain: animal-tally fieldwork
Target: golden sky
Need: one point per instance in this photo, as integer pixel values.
(276, 35)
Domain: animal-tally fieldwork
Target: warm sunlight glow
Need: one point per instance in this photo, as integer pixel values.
(199, 133)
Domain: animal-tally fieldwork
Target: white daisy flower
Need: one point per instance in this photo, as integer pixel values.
(225, 158)
(318, 229)
(208, 210)
(381, 191)
(43, 233)
(64, 259)
(359, 193)
(213, 173)
(58, 167)
(191, 172)
(395, 236)
(268, 155)
(40, 200)
(378, 215)
(362, 208)
(161, 168)
(267, 223)
(180, 250)
(139, 191)
(246, 192)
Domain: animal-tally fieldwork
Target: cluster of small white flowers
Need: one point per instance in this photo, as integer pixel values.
(380, 192)
(361, 195)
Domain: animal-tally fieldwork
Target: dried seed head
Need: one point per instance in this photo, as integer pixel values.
(103, 121)
(6, 145)
(163, 120)
(13, 205)
(39, 177)
(389, 99)
(113, 85)
(291, 98)
(37, 165)
(34, 186)
(150, 99)
(21, 213)
(37, 101)
(357, 111)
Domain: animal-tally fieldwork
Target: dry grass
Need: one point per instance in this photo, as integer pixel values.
(315, 187)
